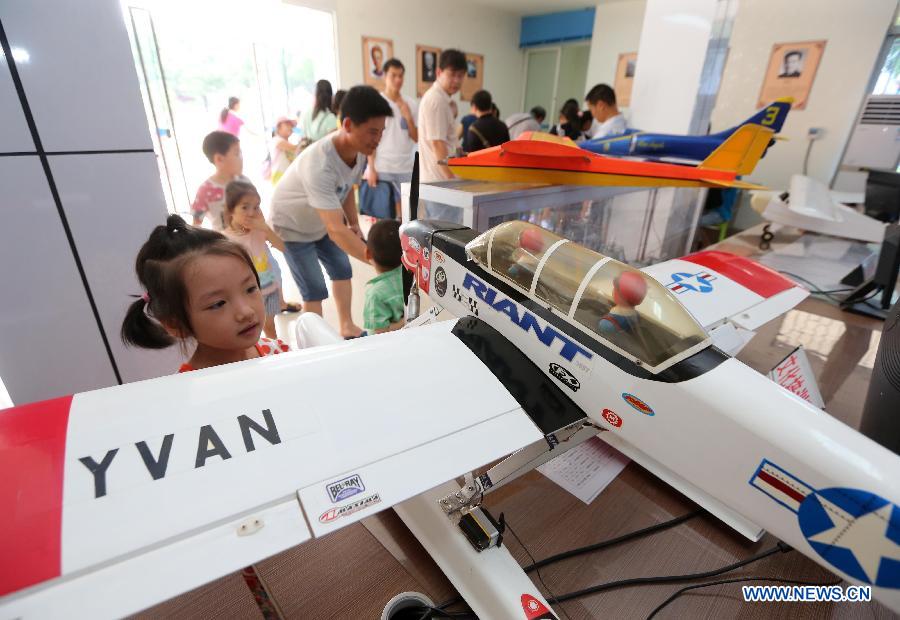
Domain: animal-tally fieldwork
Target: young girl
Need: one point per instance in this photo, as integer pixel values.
(198, 285)
(283, 152)
(248, 227)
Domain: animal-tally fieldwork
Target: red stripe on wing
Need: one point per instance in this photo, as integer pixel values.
(761, 280)
(32, 453)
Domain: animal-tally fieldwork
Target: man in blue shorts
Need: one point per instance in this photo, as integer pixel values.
(314, 209)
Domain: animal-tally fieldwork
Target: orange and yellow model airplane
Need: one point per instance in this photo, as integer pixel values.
(545, 158)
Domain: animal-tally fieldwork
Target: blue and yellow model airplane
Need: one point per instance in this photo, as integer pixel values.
(636, 143)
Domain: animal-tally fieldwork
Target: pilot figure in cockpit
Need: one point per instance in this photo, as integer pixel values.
(629, 290)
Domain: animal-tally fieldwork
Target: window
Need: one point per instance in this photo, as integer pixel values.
(563, 273)
(620, 305)
(888, 80)
(516, 250)
(637, 314)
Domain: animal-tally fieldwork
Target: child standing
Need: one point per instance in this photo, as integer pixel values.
(248, 228)
(223, 150)
(283, 152)
(383, 310)
(201, 286)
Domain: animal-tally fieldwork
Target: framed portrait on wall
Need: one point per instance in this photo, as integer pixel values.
(375, 52)
(791, 71)
(625, 78)
(426, 67)
(474, 76)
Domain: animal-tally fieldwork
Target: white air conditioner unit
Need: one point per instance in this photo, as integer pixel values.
(874, 143)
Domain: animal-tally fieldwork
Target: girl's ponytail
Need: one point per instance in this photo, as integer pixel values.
(139, 330)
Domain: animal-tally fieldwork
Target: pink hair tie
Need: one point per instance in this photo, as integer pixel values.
(146, 297)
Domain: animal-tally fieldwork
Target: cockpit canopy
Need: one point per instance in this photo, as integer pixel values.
(616, 304)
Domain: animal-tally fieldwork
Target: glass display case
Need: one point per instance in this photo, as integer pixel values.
(635, 225)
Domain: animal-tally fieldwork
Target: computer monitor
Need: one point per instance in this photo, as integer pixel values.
(874, 297)
(883, 196)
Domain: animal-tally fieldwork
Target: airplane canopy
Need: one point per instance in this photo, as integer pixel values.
(617, 305)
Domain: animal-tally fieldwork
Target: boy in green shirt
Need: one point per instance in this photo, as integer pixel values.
(383, 311)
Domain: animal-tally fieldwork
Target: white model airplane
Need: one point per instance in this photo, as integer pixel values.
(146, 490)
(812, 206)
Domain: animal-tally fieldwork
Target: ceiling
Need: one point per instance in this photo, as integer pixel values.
(536, 7)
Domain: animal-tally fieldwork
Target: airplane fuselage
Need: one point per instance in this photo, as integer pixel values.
(655, 145)
(751, 452)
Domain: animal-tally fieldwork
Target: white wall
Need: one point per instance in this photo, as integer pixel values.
(855, 32)
(98, 195)
(617, 30)
(667, 79)
(461, 24)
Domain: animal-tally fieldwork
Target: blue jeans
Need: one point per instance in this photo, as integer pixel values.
(303, 258)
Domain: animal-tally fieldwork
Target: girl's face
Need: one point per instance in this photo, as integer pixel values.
(284, 130)
(225, 306)
(246, 210)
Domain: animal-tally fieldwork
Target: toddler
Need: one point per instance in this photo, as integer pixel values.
(248, 228)
(383, 310)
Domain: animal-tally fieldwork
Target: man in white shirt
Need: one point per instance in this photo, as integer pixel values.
(525, 121)
(393, 160)
(608, 121)
(314, 210)
(437, 128)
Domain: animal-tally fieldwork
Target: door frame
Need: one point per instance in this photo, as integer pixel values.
(528, 52)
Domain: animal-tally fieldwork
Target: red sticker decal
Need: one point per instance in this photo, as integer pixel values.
(535, 610)
(612, 417)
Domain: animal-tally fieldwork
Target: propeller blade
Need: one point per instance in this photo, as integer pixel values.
(414, 190)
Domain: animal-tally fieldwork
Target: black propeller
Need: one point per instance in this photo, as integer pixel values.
(413, 215)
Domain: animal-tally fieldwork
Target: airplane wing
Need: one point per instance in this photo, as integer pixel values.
(146, 490)
(719, 288)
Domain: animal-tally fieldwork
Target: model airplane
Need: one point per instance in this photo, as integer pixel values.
(810, 205)
(146, 490)
(545, 158)
(636, 143)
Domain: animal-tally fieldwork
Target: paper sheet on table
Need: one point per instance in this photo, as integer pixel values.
(821, 260)
(586, 470)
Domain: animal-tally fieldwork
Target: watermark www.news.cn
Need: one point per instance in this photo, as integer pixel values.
(800, 594)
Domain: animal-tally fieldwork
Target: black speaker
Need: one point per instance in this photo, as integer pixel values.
(881, 414)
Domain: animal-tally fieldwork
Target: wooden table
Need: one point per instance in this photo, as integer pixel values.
(353, 573)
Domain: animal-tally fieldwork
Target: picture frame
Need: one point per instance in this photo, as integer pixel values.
(427, 58)
(375, 51)
(624, 81)
(791, 72)
(474, 76)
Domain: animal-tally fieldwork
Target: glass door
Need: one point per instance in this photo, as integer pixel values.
(541, 73)
(155, 94)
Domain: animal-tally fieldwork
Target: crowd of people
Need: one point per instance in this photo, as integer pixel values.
(221, 287)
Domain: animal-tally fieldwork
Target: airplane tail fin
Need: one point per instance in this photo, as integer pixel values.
(772, 116)
(741, 150)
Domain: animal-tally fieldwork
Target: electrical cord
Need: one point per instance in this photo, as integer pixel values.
(696, 586)
(634, 581)
(541, 579)
(815, 289)
(806, 157)
(818, 291)
(605, 544)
